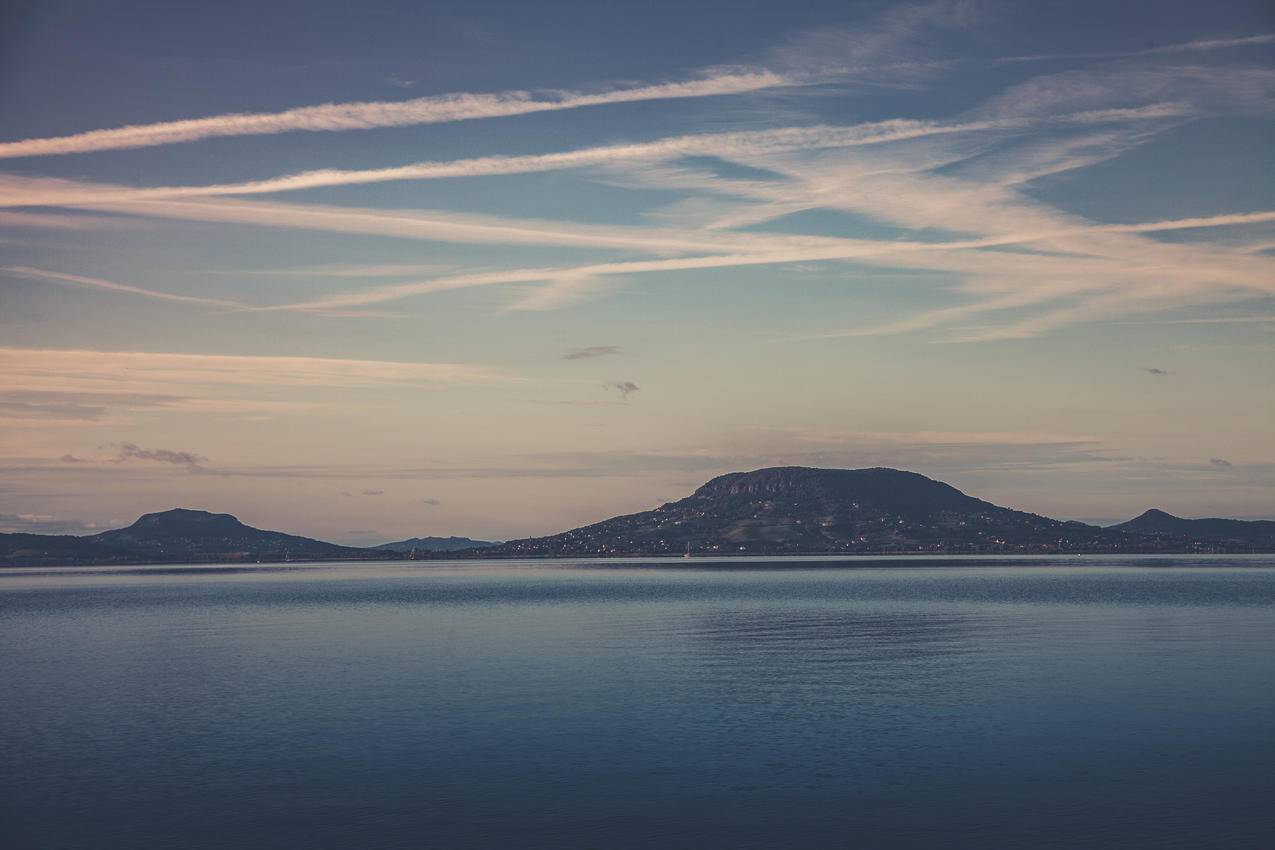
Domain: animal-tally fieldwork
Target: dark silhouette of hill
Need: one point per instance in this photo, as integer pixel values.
(199, 535)
(175, 536)
(794, 510)
(781, 510)
(1258, 533)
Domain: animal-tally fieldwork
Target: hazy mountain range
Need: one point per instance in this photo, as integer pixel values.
(781, 510)
(434, 544)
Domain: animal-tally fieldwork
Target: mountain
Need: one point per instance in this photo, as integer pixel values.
(434, 544)
(183, 534)
(800, 510)
(1257, 533)
(176, 536)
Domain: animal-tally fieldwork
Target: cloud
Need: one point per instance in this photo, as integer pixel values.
(591, 351)
(896, 253)
(71, 397)
(58, 222)
(1154, 370)
(564, 290)
(40, 388)
(564, 402)
(50, 410)
(431, 502)
(362, 116)
(110, 286)
(373, 493)
(1219, 462)
(70, 458)
(31, 523)
(893, 49)
(966, 175)
(1197, 89)
(429, 225)
(1198, 46)
(131, 451)
(727, 145)
(624, 388)
(141, 373)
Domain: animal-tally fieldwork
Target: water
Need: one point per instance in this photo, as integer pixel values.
(1093, 702)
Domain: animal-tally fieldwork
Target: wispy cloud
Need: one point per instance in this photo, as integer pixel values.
(57, 221)
(1156, 370)
(1202, 45)
(111, 286)
(363, 116)
(64, 400)
(49, 410)
(1020, 267)
(429, 225)
(591, 351)
(563, 291)
(132, 451)
(901, 252)
(727, 145)
(893, 48)
(33, 523)
(1214, 320)
(42, 369)
(67, 388)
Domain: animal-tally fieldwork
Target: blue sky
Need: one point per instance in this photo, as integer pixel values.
(500, 269)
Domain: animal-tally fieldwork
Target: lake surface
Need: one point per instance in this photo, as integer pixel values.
(1079, 702)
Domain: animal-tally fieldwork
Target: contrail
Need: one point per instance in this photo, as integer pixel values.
(123, 288)
(729, 144)
(848, 250)
(465, 106)
(329, 117)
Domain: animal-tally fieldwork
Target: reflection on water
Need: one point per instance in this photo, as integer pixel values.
(768, 704)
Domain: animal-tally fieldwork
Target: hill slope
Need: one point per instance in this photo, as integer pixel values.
(804, 510)
(1258, 533)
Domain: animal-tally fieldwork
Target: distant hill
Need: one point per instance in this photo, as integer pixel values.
(198, 535)
(434, 544)
(781, 510)
(176, 536)
(794, 510)
(1258, 533)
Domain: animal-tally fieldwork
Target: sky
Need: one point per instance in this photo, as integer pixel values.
(379, 270)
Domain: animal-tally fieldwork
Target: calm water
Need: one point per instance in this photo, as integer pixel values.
(1085, 703)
